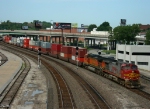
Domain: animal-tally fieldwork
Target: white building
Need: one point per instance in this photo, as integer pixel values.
(137, 54)
(104, 33)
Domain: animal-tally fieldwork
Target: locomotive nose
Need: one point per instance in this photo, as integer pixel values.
(134, 75)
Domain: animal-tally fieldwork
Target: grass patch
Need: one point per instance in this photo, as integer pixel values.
(109, 51)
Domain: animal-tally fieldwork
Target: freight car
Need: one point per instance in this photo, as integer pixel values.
(124, 73)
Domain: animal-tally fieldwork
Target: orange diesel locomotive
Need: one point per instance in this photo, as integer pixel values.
(124, 73)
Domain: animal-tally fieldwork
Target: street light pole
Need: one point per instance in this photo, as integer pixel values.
(50, 26)
(62, 36)
(125, 51)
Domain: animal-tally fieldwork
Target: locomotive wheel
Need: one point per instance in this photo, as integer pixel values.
(96, 71)
(106, 75)
(102, 74)
(122, 82)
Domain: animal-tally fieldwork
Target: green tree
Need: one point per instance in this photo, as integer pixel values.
(90, 28)
(46, 25)
(147, 41)
(104, 27)
(125, 33)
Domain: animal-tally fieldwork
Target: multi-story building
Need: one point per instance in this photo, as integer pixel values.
(137, 54)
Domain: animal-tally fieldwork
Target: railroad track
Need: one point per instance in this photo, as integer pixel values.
(145, 77)
(65, 97)
(3, 59)
(87, 88)
(9, 93)
(95, 97)
(141, 93)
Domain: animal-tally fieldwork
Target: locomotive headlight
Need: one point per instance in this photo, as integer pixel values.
(132, 71)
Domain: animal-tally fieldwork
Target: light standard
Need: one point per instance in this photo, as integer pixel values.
(51, 25)
(125, 51)
(62, 36)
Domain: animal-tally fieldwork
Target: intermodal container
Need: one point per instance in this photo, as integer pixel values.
(21, 42)
(66, 49)
(81, 51)
(38, 43)
(36, 48)
(26, 41)
(32, 42)
(75, 62)
(26, 45)
(4, 38)
(56, 47)
(77, 58)
(65, 55)
(9, 41)
(45, 45)
(18, 44)
(45, 50)
(8, 38)
(12, 40)
(15, 41)
(54, 52)
(80, 59)
(18, 40)
(31, 47)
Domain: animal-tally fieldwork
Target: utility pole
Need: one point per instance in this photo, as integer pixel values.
(77, 56)
(39, 61)
(62, 36)
(51, 26)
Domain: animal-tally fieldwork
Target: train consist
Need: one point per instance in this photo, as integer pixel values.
(126, 74)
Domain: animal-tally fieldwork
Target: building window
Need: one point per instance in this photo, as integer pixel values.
(127, 53)
(127, 61)
(120, 51)
(142, 63)
(140, 53)
(121, 60)
(133, 62)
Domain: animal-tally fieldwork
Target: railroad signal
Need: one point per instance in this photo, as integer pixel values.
(99, 53)
(39, 51)
(39, 61)
(77, 55)
(77, 50)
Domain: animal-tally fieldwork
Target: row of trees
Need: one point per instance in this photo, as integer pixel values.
(105, 26)
(120, 33)
(127, 34)
(8, 25)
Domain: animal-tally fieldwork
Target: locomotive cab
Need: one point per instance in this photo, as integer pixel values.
(131, 75)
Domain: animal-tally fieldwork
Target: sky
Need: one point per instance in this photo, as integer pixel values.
(76, 11)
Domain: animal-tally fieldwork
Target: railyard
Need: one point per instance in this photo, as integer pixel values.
(37, 92)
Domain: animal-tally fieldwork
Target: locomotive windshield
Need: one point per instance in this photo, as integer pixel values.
(128, 67)
(134, 67)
